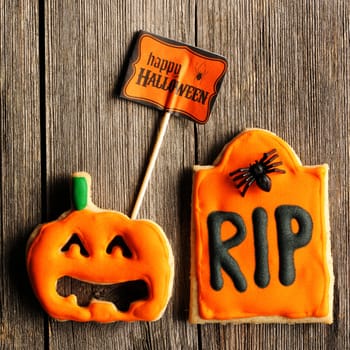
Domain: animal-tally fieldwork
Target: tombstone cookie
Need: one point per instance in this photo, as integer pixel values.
(100, 248)
(260, 236)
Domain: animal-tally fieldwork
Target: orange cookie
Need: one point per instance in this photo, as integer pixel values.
(100, 247)
(260, 236)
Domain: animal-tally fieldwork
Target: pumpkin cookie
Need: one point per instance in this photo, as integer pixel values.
(96, 247)
(260, 236)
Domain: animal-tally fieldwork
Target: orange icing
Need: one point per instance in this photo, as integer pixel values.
(306, 187)
(151, 261)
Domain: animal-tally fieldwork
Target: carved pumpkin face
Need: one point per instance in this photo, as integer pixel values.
(100, 248)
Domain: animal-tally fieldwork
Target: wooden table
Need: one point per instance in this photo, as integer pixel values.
(289, 72)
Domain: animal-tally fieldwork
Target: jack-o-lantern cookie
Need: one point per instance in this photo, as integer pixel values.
(103, 248)
(260, 236)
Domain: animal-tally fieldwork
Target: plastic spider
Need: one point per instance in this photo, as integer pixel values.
(257, 172)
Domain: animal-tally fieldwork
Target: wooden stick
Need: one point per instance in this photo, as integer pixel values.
(162, 129)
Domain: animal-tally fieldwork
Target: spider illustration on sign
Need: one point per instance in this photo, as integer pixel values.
(257, 172)
(200, 71)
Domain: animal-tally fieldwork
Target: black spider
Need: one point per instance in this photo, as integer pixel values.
(257, 172)
(201, 71)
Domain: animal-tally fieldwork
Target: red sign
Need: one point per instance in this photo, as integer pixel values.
(173, 76)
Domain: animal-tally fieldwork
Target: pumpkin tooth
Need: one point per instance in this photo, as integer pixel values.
(72, 298)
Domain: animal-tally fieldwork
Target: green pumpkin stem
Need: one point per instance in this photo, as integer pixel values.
(80, 191)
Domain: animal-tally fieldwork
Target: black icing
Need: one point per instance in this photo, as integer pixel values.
(74, 239)
(118, 241)
(288, 241)
(262, 274)
(218, 250)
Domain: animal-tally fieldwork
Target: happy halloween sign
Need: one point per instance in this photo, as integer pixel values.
(173, 76)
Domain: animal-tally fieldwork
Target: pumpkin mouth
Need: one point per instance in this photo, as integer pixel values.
(122, 295)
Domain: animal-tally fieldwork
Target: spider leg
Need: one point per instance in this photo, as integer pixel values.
(275, 170)
(240, 170)
(274, 150)
(245, 181)
(241, 176)
(267, 155)
(245, 189)
(273, 165)
(272, 168)
(268, 161)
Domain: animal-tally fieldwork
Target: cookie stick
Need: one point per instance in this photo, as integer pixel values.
(156, 148)
(175, 78)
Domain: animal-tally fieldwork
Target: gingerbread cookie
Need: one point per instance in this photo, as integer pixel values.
(260, 236)
(100, 247)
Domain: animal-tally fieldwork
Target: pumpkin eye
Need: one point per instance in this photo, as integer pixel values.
(75, 240)
(118, 241)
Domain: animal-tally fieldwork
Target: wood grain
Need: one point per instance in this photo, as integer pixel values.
(61, 62)
(20, 169)
(112, 139)
(289, 73)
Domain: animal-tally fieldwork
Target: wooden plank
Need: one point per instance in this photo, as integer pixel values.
(289, 73)
(88, 128)
(22, 326)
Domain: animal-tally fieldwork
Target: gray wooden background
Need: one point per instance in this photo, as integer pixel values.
(61, 60)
